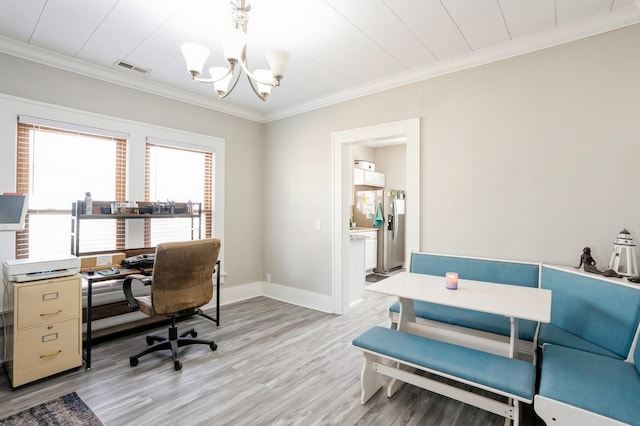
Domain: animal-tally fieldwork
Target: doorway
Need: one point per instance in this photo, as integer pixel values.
(409, 130)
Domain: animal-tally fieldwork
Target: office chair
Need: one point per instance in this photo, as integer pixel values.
(181, 282)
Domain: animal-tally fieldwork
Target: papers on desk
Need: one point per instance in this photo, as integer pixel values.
(108, 272)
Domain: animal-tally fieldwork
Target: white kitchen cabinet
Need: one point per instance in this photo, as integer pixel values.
(374, 179)
(358, 176)
(356, 270)
(366, 177)
(370, 250)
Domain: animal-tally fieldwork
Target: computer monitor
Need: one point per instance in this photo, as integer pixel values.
(13, 211)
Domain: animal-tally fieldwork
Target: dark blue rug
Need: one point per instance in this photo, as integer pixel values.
(67, 410)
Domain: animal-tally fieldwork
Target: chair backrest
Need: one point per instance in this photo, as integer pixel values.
(183, 275)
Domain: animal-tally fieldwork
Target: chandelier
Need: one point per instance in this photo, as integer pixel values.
(235, 52)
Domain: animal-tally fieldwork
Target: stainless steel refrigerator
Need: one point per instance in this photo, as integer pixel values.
(385, 208)
(391, 233)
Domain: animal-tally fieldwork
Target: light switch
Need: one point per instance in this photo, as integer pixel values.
(317, 223)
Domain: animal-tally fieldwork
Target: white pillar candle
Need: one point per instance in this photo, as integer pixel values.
(451, 279)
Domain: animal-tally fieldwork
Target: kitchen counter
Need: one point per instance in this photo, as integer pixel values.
(358, 229)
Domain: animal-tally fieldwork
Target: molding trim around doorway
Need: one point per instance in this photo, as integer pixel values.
(341, 141)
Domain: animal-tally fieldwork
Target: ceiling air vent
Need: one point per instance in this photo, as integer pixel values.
(133, 67)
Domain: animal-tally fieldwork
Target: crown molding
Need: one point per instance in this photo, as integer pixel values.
(589, 27)
(46, 57)
(586, 28)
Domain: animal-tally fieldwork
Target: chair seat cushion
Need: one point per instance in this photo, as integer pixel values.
(482, 321)
(593, 382)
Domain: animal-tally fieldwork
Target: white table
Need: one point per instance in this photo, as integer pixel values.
(512, 301)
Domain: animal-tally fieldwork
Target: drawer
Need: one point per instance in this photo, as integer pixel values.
(46, 350)
(47, 302)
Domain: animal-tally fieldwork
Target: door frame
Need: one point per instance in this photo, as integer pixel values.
(343, 179)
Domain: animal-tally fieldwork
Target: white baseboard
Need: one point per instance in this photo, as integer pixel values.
(294, 296)
(238, 293)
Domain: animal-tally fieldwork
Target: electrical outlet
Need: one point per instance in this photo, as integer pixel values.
(268, 277)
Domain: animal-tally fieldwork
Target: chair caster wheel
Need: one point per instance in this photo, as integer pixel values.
(150, 341)
(213, 346)
(177, 365)
(133, 361)
(194, 333)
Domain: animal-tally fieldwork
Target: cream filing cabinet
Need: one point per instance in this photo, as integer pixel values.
(43, 320)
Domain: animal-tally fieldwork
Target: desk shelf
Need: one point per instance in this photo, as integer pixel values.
(78, 217)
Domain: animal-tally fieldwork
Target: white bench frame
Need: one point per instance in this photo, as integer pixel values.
(558, 413)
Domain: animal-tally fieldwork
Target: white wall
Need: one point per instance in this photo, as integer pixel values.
(392, 161)
(529, 158)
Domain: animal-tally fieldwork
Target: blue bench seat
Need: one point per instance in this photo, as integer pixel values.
(509, 377)
(584, 380)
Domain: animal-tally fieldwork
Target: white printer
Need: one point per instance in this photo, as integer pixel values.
(22, 270)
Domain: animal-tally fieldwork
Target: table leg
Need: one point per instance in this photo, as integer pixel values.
(513, 341)
(407, 314)
(87, 358)
(405, 319)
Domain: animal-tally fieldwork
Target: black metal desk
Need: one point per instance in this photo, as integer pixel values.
(91, 279)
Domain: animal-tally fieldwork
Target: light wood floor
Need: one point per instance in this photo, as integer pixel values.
(276, 364)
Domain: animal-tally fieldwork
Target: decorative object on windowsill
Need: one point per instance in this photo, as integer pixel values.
(88, 203)
(624, 264)
(235, 52)
(590, 265)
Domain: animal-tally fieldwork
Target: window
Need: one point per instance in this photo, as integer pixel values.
(179, 175)
(56, 165)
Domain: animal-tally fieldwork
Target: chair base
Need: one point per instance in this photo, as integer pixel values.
(172, 343)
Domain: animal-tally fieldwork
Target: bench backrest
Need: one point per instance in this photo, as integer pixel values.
(478, 269)
(593, 308)
(636, 358)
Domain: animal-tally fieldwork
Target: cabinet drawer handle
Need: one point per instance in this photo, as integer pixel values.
(51, 354)
(47, 314)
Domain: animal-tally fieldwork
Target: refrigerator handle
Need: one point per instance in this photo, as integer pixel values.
(392, 225)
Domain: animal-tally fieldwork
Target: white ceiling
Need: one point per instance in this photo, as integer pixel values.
(340, 49)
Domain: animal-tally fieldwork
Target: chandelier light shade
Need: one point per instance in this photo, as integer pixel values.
(235, 51)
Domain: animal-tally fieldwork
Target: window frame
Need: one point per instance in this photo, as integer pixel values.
(25, 128)
(207, 206)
